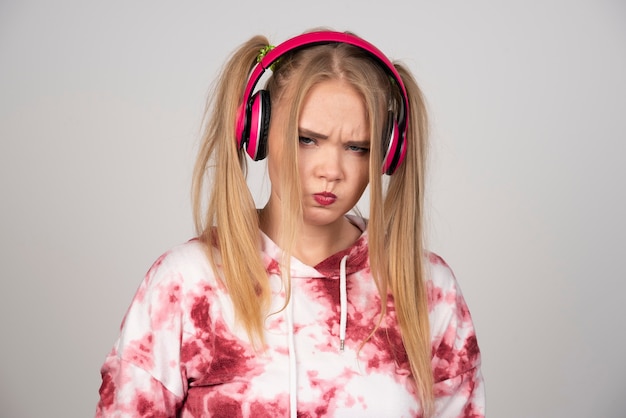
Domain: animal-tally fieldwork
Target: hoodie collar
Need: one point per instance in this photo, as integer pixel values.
(330, 267)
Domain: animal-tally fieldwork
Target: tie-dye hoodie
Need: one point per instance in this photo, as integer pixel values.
(180, 353)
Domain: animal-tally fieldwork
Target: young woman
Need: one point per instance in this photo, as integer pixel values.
(298, 308)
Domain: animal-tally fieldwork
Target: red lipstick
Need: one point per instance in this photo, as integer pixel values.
(325, 198)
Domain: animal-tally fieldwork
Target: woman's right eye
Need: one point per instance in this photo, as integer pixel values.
(306, 141)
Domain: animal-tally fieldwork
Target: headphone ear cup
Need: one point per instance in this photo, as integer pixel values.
(258, 125)
(393, 152)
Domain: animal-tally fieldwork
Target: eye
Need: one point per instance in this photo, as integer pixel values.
(305, 141)
(358, 149)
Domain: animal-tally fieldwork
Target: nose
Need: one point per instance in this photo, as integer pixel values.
(329, 165)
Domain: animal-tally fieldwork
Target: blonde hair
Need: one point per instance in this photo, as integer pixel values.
(230, 220)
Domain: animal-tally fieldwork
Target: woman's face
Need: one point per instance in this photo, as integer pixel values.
(333, 153)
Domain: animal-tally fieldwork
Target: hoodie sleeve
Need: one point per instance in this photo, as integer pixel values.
(459, 386)
(142, 375)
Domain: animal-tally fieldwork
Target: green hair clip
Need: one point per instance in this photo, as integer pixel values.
(263, 52)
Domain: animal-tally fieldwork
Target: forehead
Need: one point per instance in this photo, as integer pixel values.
(334, 105)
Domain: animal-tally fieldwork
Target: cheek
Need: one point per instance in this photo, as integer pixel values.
(366, 179)
(364, 173)
(360, 179)
(363, 185)
(306, 166)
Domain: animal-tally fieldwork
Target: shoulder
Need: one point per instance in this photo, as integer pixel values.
(183, 254)
(441, 283)
(184, 262)
(456, 354)
(181, 271)
(438, 271)
(450, 317)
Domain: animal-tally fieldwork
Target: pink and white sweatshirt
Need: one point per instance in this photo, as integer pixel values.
(180, 353)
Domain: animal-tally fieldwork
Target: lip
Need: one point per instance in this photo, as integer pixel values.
(325, 198)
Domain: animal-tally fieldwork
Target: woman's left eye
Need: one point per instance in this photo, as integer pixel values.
(359, 149)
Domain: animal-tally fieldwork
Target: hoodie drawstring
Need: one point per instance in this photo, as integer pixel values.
(343, 302)
(293, 382)
(343, 319)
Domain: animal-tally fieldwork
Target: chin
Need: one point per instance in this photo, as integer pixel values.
(321, 219)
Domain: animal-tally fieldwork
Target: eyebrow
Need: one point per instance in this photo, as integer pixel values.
(317, 135)
(312, 134)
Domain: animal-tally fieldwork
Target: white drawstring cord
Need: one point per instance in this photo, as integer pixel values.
(343, 301)
(293, 376)
(343, 317)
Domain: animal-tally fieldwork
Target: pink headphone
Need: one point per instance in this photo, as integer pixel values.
(253, 116)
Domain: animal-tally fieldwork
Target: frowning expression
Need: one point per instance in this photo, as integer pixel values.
(333, 152)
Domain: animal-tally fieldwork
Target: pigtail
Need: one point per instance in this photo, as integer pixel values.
(404, 216)
(230, 221)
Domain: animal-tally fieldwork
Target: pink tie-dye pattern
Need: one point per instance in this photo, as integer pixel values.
(180, 353)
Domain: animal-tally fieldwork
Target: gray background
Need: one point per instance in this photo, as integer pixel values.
(100, 107)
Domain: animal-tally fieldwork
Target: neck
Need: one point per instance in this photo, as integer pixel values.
(313, 243)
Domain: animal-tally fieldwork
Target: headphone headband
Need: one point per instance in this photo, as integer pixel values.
(327, 37)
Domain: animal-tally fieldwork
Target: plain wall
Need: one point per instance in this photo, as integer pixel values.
(100, 110)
